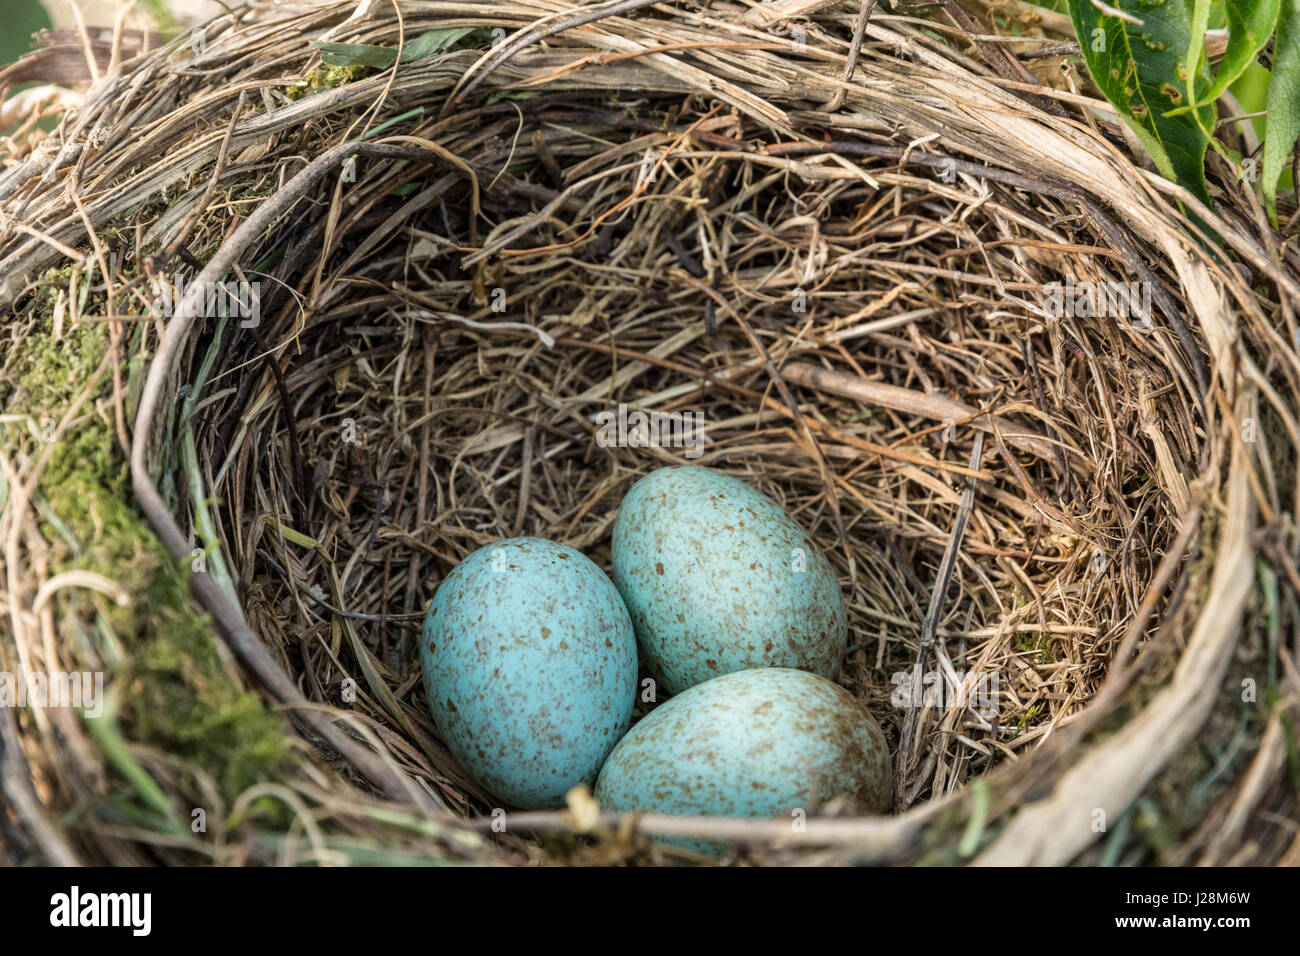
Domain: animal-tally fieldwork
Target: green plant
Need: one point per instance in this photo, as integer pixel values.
(1148, 58)
(383, 57)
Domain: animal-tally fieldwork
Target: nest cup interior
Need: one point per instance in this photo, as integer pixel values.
(427, 401)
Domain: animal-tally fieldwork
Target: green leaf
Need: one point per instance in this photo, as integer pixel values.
(1250, 25)
(1139, 61)
(383, 57)
(500, 95)
(417, 113)
(435, 41)
(1283, 103)
(356, 54)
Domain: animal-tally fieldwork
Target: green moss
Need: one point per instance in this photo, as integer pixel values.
(1030, 714)
(326, 78)
(1036, 642)
(177, 694)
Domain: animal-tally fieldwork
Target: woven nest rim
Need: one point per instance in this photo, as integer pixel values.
(920, 134)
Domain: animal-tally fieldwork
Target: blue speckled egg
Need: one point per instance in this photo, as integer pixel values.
(756, 743)
(530, 668)
(718, 578)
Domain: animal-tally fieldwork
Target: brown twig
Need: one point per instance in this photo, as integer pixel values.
(907, 742)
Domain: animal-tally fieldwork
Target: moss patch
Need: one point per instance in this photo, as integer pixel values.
(1036, 642)
(327, 78)
(176, 694)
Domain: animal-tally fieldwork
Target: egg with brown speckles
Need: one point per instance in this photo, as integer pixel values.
(530, 668)
(718, 578)
(759, 743)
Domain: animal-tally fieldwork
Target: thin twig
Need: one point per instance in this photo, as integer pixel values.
(912, 714)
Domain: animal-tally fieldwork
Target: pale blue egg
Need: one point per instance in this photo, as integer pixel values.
(530, 668)
(718, 578)
(763, 743)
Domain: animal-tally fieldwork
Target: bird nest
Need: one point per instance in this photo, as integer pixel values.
(296, 327)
